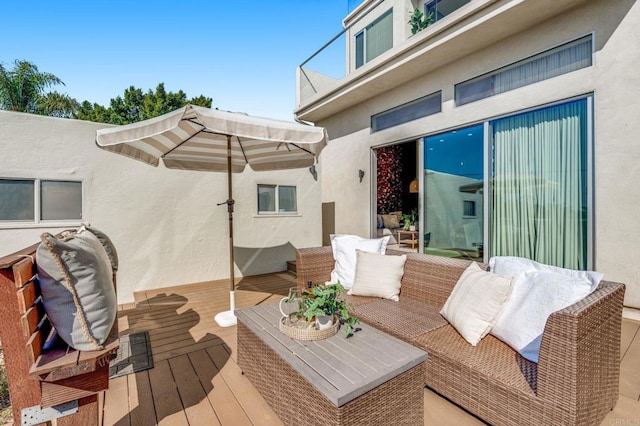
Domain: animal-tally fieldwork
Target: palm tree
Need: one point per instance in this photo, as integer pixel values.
(22, 89)
(56, 104)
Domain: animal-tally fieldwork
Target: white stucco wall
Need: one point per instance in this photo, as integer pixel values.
(613, 80)
(164, 223)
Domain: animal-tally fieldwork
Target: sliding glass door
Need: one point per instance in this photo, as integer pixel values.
(529, 174)
(453, 193)
(540, 194)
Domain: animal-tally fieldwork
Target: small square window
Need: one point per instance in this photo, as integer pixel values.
(17, 197)
(274, 199)
(266, 198)
(469, 208)
(60, 200)
(287, 199)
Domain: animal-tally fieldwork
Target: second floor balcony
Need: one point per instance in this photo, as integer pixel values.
(387, 43)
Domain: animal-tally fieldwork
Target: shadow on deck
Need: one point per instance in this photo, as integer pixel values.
(196, 381)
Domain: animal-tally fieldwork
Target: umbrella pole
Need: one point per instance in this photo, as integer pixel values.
(228, 318)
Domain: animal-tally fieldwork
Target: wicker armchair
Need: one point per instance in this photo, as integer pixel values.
(574, 382)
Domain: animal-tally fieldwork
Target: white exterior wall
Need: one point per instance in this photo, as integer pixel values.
(613, 80)
(164, 223)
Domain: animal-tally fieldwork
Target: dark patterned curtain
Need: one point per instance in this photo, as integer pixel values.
(389, 179)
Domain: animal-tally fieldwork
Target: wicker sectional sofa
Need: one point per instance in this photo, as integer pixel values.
(574, 382)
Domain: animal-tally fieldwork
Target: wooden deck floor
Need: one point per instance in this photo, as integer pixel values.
(196, 381)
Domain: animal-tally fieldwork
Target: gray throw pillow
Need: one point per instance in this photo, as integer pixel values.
(108, 245)
(77, 288)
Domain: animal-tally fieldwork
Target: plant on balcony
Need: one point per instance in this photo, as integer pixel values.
(323, 300)
(419, 21)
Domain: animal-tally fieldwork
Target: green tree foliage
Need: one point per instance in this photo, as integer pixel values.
(57, 104)
(135, 105)
(23, 89)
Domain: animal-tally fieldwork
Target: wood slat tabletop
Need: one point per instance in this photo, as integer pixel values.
(339, 367)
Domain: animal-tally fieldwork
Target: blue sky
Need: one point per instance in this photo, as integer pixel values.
(241, 54)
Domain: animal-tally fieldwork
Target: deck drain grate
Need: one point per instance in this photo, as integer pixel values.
(134, 355)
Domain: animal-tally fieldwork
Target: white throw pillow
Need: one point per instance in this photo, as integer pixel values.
(536, 295)
(344, 253)
(476, 302)
(378, 275)
(514, 266)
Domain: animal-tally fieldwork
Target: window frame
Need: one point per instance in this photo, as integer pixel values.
(38, 221)
(409, 111)
(472, 209)
(486, 209)
(363, 33)
(277, 211)
(589, 180)
(488, 77)
(434, 4)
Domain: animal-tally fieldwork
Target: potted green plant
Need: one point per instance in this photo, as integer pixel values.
(322, 301)
(419, 21)
(410, 220)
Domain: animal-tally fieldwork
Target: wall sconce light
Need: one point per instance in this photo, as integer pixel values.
(413, 186)
(360, 174)
(313, 172)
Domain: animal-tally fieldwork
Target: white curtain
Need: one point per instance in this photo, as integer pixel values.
(540, 186)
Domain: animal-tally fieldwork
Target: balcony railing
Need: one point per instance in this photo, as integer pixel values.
(325, 68)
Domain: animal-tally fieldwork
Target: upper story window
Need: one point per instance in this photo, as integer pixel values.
(438, 9)
(375, 39)
(277, 199)
(38, 200)
(563, 59)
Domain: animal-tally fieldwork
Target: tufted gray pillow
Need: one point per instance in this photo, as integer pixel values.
(76, 282)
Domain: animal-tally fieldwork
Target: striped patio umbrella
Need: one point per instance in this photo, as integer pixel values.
(198, 138)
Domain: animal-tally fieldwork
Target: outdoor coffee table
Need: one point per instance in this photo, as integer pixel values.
(370, 378)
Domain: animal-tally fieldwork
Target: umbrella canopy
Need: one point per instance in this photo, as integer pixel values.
(195, 138)
(198, 138)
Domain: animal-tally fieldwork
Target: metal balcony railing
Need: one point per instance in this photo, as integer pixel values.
(328, 65)
(325, 68)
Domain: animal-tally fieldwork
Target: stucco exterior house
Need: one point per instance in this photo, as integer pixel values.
(518, 119)
(166, 224)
